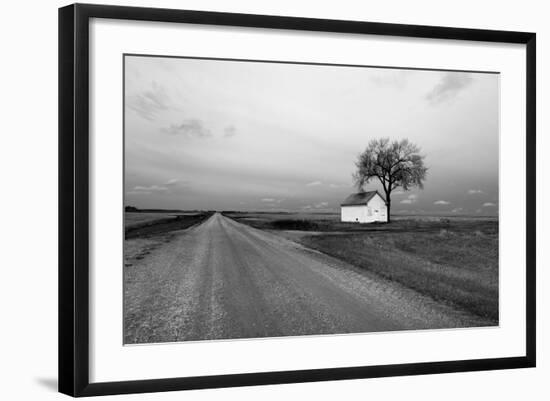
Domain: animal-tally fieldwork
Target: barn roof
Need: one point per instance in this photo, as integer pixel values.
(360, 198)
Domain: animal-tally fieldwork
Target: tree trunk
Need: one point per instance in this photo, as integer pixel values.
(388, 202)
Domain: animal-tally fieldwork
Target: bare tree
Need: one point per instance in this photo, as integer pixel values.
(395, 164)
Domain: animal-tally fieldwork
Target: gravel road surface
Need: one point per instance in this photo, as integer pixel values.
(224, 279)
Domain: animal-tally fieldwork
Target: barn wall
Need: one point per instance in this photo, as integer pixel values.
(377, 203)
(366, 213)
(354, 213)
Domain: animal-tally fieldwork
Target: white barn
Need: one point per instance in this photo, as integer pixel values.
(364, 207)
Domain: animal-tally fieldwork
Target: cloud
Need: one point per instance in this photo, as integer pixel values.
(474, 191)
(166, 187)
(319, 205)
(172, 181)
(489, 204)
(398, 192)
(191, 128)
(272, 200)
(412, 198)
(151, 188)
(314, 183)
(138, 193)
(150, 102)
(457, 210)
(335, 186)
(441, 202)
(448, 87)
(229, 131)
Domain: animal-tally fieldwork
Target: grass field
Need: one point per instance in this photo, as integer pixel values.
(330, 222)
(143, 224)
(137, 219)
(452, 260)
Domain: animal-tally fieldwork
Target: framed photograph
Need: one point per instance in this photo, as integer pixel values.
(251, 199)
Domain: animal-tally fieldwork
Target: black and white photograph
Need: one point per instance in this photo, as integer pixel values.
(268, 199)
(275, 200)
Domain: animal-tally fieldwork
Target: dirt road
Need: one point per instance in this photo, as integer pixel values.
(223, 279)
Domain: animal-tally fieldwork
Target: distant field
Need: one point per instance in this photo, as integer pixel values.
(452, 260)
(135, 219)
(439, 217)
(143, 224)
(330, 222)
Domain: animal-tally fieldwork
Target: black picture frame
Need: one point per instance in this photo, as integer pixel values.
(74, 191)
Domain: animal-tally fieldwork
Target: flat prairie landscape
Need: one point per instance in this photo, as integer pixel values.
(453, 259)
(271, 199)
(207, 275)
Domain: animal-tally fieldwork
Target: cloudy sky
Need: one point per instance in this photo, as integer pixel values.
(229, 135)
